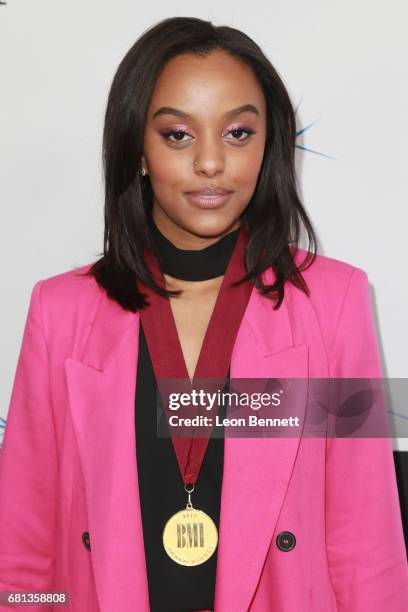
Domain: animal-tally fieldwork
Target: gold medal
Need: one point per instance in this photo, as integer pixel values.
(190, 536)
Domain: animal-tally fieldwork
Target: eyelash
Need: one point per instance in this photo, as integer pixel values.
(250, 131)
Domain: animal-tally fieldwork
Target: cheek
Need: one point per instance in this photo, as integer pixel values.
(164, 166)
(246, 167)
(167, 171)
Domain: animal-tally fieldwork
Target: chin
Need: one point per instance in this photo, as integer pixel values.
(211, 226)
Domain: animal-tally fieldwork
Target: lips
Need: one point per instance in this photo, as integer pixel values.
(208, 198)
(208, 191)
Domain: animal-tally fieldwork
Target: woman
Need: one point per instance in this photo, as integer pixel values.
(201, 274)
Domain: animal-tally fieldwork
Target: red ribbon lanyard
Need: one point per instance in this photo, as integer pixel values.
(165, 350)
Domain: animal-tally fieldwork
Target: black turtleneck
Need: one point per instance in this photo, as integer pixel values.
(194, 265)
(174, 587)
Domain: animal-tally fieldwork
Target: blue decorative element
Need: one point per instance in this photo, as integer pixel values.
(2, 428)
(300, 132)
(402, 416)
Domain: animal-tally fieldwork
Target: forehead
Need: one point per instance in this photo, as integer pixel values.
(203, 85)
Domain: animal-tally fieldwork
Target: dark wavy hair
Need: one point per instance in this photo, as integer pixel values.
(273, 216)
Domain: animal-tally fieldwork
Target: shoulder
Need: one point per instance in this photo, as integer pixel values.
(69, 298)
(71, 285)
(329, 276)
(335, 287)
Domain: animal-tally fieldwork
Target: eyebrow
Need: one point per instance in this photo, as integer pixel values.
(169, 110)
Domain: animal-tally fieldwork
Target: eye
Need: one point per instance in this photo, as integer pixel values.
(166, 135)
(240, 130)
(179, 134)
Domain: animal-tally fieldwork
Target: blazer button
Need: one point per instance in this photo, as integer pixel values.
(86, 541)
(285, 541)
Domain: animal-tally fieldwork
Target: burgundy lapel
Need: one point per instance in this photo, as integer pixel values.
(214, 360)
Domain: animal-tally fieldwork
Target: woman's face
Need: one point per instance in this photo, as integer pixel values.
(196, 137)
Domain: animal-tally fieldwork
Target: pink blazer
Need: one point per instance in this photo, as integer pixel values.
(68, 464)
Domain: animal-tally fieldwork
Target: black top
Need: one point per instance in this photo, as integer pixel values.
(174, 587)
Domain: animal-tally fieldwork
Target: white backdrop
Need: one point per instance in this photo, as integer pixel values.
(344, 64)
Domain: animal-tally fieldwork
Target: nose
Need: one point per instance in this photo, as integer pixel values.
(209, 159)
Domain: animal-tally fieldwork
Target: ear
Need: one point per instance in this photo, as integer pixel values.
(143, 164)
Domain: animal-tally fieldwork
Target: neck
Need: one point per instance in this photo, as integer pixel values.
(183, 239)
(194, 264)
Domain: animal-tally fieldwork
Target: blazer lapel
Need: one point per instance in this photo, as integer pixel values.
(101, 387)
(256, 470)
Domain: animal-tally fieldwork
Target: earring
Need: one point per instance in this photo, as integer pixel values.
(143, 171)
